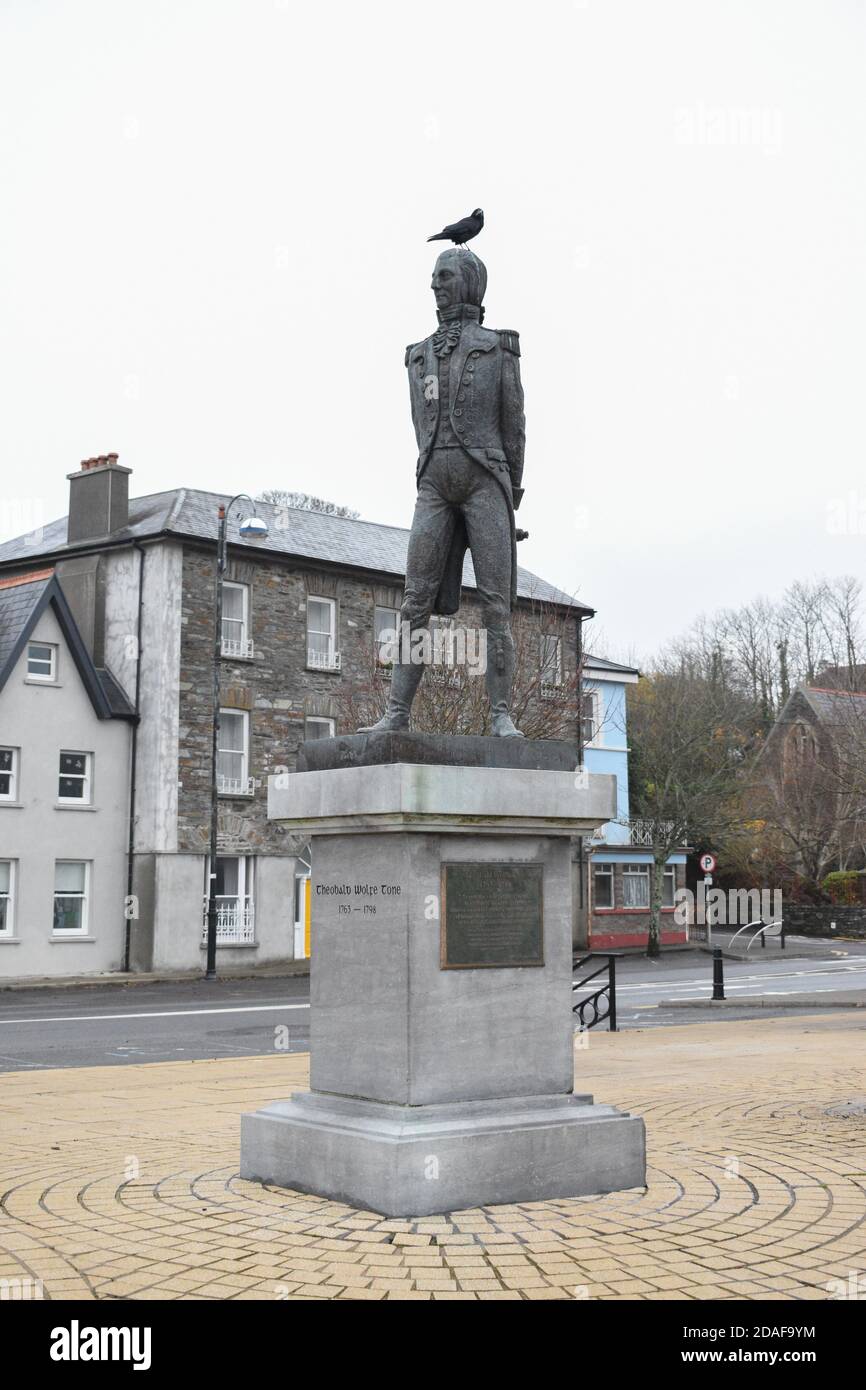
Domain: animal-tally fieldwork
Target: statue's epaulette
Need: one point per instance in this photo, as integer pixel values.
(406, 358)
(510, 340)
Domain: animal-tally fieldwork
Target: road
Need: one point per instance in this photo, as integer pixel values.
(111, 1025)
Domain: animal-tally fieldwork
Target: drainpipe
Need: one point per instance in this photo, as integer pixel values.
(130, 849)
(579, 660)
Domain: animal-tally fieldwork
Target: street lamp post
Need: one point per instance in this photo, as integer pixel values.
(251, 528)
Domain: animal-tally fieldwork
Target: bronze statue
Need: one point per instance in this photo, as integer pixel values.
(467, 409)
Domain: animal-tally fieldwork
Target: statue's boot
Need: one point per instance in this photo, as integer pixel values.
(500, 678)
(404, 683)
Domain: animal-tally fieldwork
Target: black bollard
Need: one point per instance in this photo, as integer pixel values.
(718, 974)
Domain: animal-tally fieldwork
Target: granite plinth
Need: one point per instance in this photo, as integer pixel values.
(442, 1058)
(444, 797)
(415, 1161)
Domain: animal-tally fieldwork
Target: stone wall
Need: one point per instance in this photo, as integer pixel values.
(276, 686)
(805, 919)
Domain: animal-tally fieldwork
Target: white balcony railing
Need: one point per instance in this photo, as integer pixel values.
(235, 786)
(236, 920)
(238, 648)
(323, 661)
(645, 832)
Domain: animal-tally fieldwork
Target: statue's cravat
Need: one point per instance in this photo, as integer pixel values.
(451, 321)
(446, 337)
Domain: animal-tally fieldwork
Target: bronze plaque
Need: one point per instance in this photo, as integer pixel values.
(492, 916)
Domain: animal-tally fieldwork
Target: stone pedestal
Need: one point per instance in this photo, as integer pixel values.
(441, 1071)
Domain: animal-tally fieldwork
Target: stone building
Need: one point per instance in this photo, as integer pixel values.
(809, 780)
(302, 610)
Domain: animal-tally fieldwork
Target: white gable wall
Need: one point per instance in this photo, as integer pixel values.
(40, 720)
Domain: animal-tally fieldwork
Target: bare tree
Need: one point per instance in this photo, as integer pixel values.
(689, 734)
(765, 649)
(304, 502)
(546, 698)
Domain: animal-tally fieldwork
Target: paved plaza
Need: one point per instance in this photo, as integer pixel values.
(121, 1182)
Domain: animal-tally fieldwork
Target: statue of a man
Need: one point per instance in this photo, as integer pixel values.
(467, 409)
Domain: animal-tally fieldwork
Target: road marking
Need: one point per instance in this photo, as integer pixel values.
(167, 1013)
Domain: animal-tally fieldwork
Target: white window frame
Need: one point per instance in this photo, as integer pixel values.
(236, 912)
(11, 773)
(73, 933)
(671, 878)
(320, 719)
(606, 871)
(548, 682)
(394, 614)
(636, 872)
(51, 677)
(86, 778)
(595, 697)
(239, 647)
(7, 896)
(331, 660)
(242, 785)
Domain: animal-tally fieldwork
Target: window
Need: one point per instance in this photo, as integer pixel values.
(70, 896)
(233, 777)
(236, 640)
(800, 746)
(635, 885)
(41, 661)
(235, 901)
(444, 646)
(8, 774)
(386, 633)
(669, 885)
(602, 885)
(589, 720)
(316, 726)
(551, 662)
(74, 781)
(322, 654)
(7, 901)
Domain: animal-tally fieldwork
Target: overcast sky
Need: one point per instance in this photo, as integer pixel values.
(212, 254)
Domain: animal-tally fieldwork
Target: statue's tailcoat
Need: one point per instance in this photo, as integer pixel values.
(485, 401)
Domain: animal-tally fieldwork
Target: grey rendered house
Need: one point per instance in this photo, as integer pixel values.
(301, 610)
(65, 739)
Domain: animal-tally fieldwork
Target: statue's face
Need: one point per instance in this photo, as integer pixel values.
(447, 282)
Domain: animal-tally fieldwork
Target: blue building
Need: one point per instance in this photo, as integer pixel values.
(617, 864)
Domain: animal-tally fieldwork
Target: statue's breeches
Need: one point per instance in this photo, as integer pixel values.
(453, 484)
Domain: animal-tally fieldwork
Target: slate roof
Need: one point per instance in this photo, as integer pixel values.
(189, 513)
(17, 602)
(601, 663)
(834, 706)
(23, 600)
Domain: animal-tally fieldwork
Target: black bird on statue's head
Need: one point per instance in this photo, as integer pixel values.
(462, 231)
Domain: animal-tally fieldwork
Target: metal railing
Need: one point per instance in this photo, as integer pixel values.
(241, 648)
(323, 661)
(644, 832)
(235, 786)
(762, 929)
(236, 920)
(601, 1003)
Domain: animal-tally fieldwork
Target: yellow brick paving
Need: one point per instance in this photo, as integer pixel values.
(121, 1183)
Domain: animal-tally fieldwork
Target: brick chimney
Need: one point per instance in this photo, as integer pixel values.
(98, 498)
